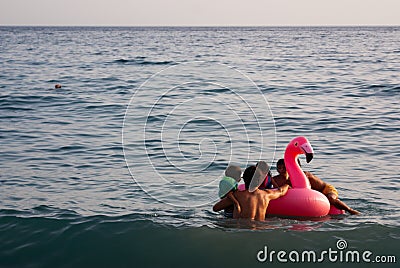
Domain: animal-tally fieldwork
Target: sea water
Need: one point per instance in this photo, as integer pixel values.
(120, 166)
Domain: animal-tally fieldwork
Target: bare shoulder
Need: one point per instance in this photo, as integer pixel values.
(309, 175)
(316, 182)
(243, 195)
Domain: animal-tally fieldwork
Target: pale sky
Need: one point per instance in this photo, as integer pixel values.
(199, 12)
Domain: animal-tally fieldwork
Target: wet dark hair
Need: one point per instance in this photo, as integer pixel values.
(280, 162)
(248, 175)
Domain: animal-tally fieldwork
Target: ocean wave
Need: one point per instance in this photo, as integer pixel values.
(48, 237)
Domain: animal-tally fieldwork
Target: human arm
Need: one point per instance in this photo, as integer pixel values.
(281, 191)
(235, 201)
(222, 204)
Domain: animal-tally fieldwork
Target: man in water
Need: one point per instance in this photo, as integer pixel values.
(254, 202)
(316, 184)
(330, 192)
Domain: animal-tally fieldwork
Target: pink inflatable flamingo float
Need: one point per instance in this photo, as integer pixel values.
(300, 200)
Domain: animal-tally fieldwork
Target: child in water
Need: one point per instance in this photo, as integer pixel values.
(229, 184)
(283, 177)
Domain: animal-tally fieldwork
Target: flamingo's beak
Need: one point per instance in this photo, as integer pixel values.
(308, 151)
(309, 157)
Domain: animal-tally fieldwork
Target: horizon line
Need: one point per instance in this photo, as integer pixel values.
(201, 26)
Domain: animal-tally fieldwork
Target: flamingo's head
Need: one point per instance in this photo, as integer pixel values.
(300, 145)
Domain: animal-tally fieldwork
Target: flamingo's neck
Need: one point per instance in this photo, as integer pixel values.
(296, 174)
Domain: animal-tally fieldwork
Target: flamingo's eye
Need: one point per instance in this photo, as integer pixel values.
(295, 144)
